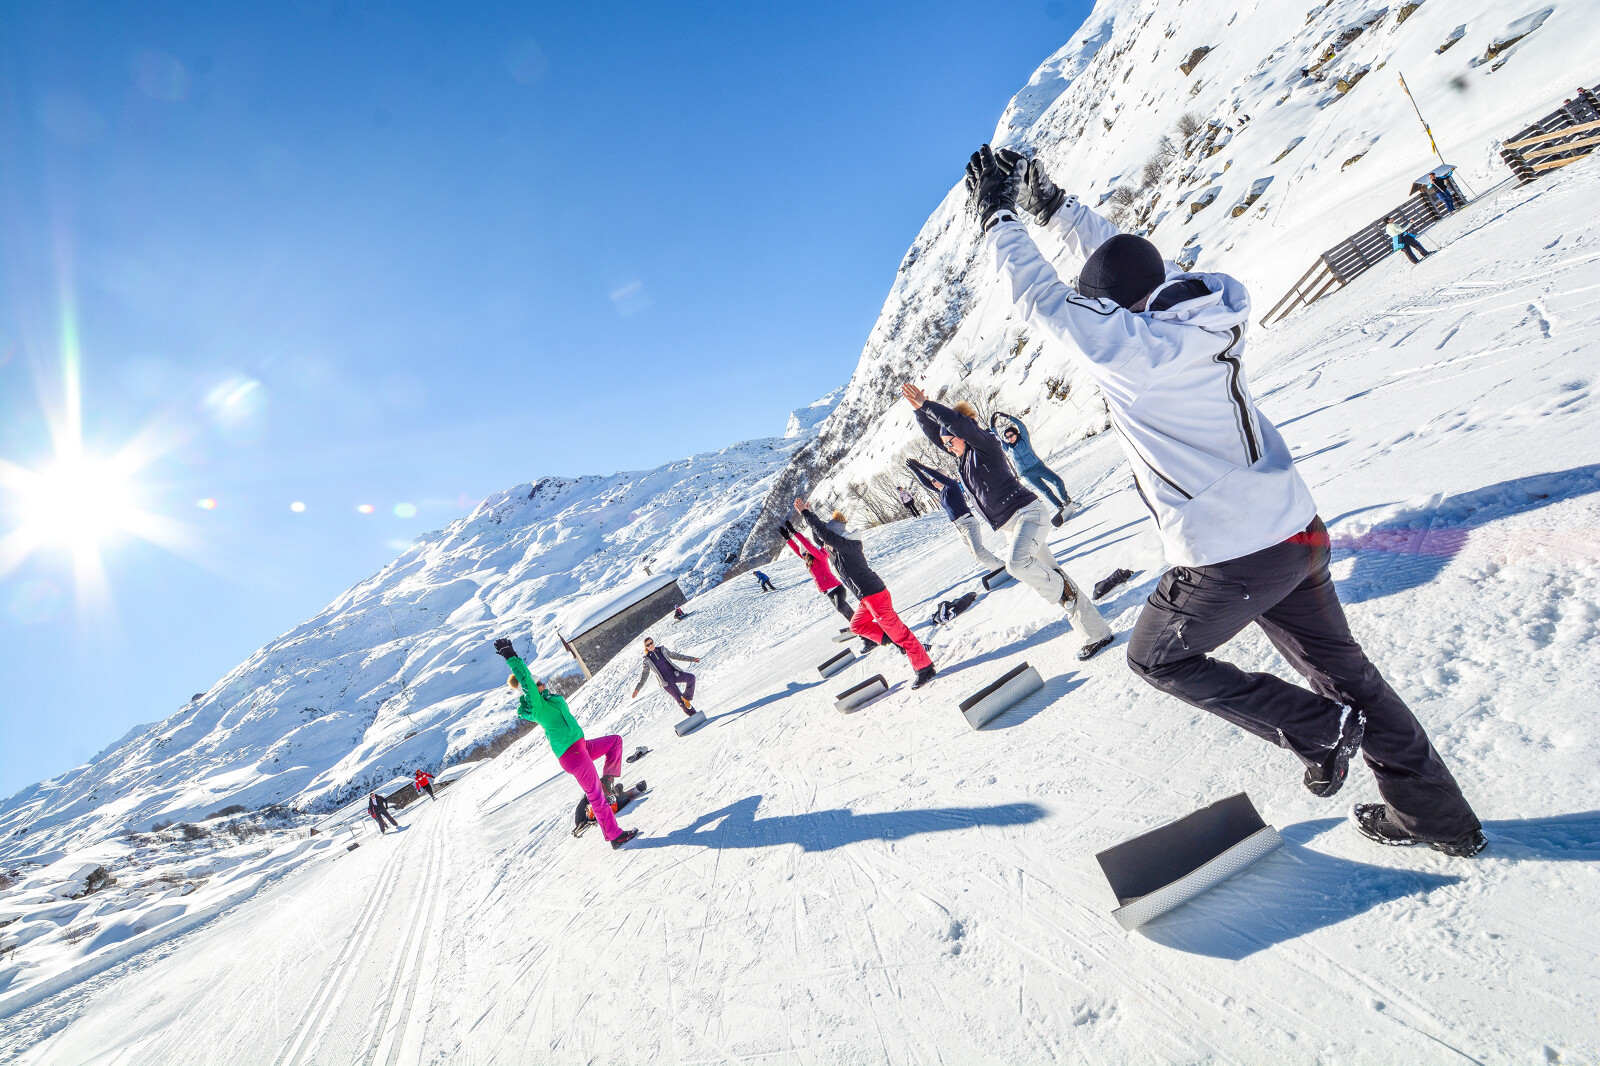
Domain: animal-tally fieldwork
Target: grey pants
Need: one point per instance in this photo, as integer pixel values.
(1287, 591)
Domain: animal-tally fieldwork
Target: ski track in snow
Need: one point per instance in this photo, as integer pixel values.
(891, 886)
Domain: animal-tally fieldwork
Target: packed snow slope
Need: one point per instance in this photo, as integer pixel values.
(891, 886)
(397, 672)
(1303, 137)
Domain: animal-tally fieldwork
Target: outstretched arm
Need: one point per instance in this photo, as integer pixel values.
(1080, 228)
(681, 658)
(823, 533)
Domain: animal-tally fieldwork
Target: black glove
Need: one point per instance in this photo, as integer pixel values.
(1036, 193)
(991, 188)
(504, 649)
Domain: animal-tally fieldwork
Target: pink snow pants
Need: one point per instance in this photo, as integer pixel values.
(578, 761)
(875, 619)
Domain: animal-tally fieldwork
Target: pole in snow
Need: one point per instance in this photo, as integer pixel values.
(1431, 142)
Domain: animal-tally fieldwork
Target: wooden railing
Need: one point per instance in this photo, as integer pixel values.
(1565, 135)
(1359, 252)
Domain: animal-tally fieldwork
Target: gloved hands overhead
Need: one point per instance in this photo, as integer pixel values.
(992, 188)
(504, 649)
(1036, 193)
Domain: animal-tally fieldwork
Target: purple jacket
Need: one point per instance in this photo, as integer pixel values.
(985, 470)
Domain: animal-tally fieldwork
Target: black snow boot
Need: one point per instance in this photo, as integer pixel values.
(1372, 820)
(613, 791)
(1089, 651)
(924, 676)
(622, 838)
(867, 645)
(1328, 778)
(1111, 581)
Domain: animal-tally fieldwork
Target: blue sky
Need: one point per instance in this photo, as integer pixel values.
(405, 255)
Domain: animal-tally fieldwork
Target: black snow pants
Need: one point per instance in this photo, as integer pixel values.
(380, 816)
(429, 788)
(840, 603)
(1413, 248)
(1288, 592)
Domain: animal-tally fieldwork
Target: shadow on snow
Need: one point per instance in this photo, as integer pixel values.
(1294, 891)
(1411, 549)
(736, 826)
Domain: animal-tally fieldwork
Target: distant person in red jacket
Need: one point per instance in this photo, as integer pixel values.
(425, 783)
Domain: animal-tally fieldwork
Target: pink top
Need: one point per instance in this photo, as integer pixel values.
(821, 572)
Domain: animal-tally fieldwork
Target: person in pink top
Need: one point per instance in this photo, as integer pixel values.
(816, 561)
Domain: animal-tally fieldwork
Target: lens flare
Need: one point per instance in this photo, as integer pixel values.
(207, 504)
(297, 507)
(366, 508)
(405, 510)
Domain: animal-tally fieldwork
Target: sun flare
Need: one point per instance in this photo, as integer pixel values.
(79, 501)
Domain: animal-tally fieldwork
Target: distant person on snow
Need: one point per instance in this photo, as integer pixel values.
(1010, 509)
(1234, 516)
(424, 782)
(537, 704)
(1014, 438)
(378, 809)
(766, 582)
(875, 619)
(678, 615)
(816, 561)
(908, 500)
(1442, 191)
(954, 502)
(659, 659)
(1404, 240)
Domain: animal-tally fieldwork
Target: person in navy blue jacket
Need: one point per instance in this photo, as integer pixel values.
(954, 502)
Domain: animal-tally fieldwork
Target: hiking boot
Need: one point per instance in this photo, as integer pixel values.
(1372, 820)
(924, 676)
(1069, 595)
(612, 790)
(1328, 778)
(867, 645)
(1089, 651)
(622, 838)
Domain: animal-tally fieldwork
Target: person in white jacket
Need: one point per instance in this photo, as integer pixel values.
(1235, 518)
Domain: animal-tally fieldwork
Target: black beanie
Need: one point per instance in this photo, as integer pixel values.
(1125, 269)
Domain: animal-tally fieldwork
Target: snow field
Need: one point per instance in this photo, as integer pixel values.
(891, 886)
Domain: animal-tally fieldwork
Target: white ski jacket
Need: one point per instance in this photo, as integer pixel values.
(1214, 473)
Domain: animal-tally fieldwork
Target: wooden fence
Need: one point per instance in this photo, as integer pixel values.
(1360, 251)
(1565, 135)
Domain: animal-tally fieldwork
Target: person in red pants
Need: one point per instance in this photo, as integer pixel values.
(575, 754)
(875, 619)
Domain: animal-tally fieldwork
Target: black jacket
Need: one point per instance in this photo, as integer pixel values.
(985, 470)
(848, 560)
(951, 498)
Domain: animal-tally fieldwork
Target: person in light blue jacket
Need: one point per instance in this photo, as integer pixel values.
(1014, 437)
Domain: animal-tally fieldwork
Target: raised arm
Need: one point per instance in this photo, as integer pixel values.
(823, 533)
(1116, 346)
(1080, 228)
(669, 653)
(951, 424)
(1022, 430)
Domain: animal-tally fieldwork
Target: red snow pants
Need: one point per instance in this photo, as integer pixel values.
(578, 761)
(875, 619)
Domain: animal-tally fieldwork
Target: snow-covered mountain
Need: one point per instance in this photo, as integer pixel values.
(1301, 135)
(398, 671)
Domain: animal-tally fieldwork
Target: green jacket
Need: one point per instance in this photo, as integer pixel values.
(560, 728)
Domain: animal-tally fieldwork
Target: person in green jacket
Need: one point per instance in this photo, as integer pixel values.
(575, 754)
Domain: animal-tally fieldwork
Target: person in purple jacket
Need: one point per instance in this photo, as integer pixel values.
(658, 658)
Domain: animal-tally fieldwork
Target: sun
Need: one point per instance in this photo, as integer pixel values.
(77, 502)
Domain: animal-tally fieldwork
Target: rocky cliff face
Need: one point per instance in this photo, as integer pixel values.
(1240, 137)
